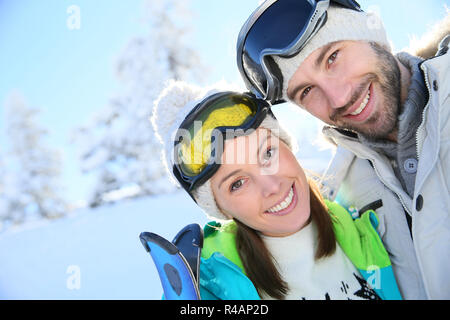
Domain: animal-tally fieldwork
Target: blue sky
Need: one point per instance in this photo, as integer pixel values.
(70, 73)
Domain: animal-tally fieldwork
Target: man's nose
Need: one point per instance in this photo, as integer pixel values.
(338, 91)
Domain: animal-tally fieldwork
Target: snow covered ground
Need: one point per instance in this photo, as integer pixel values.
(92, 254)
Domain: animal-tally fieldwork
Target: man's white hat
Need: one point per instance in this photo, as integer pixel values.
(341, 24)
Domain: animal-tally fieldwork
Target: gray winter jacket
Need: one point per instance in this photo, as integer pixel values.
(359, 176)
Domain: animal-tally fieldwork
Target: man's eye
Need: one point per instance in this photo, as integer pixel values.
(236, 185)
(305, 93)
(333, 57)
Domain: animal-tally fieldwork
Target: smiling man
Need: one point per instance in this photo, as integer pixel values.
(387, 114)
(352, 85)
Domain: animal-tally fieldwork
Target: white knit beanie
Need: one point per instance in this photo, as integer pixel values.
(169, 111)
(342, 24)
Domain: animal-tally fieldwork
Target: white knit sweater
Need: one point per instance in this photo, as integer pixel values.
(333, 277)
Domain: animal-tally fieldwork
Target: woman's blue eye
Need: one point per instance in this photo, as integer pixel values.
(268, 154)
(236, 185)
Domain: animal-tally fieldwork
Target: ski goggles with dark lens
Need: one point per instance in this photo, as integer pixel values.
(199, 141)
(278, 27)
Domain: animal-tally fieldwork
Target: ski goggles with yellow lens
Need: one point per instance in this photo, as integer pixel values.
(199, 141)
(283, 28)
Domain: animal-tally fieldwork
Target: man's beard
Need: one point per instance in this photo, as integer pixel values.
(384, 120)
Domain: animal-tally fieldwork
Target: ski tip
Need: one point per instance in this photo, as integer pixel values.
(196, 232)
(149, 237)
(143, 236)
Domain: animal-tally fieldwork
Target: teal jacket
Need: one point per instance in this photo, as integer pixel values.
(222, 274)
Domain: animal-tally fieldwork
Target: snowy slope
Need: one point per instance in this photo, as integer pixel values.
(100, 246)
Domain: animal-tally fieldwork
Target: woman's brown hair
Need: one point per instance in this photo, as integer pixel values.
(258, 261)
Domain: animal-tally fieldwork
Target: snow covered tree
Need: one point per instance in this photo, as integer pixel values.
(3, 200)
(118, 145)
(30, 185)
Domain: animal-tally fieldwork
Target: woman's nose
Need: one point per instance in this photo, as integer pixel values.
(270, 185)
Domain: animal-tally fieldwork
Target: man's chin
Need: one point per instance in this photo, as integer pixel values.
(375, 133)
(372, 130)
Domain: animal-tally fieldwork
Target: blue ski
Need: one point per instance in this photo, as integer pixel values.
(177, 262)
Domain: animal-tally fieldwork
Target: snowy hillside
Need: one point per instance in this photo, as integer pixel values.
(92, 254)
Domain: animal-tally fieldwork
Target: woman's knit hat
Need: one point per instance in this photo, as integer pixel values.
(341, 24)
(171, 108)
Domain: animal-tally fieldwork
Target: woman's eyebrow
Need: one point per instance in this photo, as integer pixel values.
(232, 173)
(228, 176)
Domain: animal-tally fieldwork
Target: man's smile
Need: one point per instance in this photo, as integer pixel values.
(362, 108)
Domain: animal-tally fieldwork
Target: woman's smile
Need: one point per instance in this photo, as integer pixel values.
(286, 205)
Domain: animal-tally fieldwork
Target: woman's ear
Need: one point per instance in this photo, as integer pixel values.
(226, 214)
(213, 188)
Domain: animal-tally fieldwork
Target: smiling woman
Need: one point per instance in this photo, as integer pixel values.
(273, 205)
(279, 239)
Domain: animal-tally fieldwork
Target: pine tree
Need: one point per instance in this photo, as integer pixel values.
(119, 145)
(31, 179)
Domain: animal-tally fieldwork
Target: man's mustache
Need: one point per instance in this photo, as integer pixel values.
(354, 97)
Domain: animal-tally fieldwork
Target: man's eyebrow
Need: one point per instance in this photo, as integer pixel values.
(293, 93)
(228, 176)
(322, 54)
(317, 63)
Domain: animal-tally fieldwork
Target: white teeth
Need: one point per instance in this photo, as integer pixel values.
(362, 105)
(284, 204)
